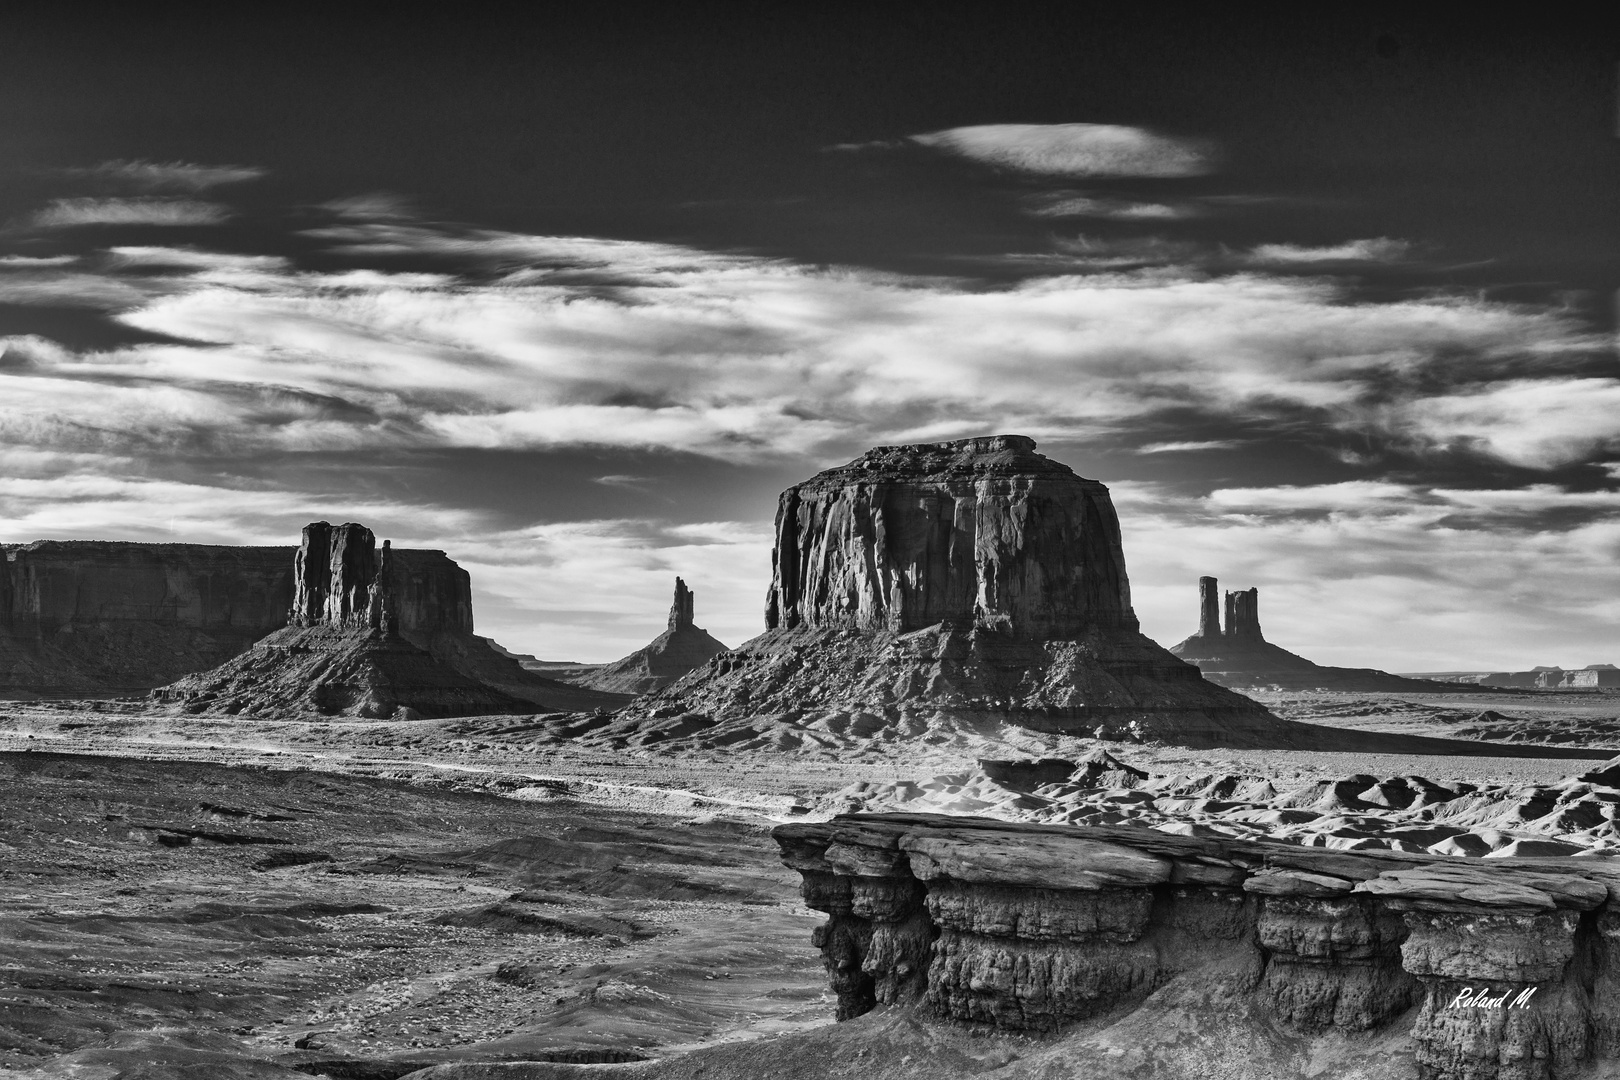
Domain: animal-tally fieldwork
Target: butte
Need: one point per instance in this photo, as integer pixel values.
(342, 653)
(933, 586)
(681, 647)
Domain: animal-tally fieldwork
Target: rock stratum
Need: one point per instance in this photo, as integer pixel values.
(1169, 955)
(682, 647)
(343, 651)
(1238, 655)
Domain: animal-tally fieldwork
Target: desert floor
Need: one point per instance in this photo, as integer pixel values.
(364, 899)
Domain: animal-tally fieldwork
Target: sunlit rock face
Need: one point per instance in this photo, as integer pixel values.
(981, 533)
(1460, 970)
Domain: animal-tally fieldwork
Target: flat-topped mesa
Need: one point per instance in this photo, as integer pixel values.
(980, 533)
(681, 611)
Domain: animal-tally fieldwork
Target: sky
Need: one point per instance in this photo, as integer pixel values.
(1326, 298)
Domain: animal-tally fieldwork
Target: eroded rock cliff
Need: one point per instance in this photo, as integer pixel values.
(681, 647)
(978, 534)
(96, 617)
(1451, 970)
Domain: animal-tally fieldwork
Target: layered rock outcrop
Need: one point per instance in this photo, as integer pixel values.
(975, 580)
(1238, 655)
(1470, 973)
(682, 647)
(92, 617)
(344, 650)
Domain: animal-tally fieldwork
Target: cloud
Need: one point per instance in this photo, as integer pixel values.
(1186, 447)
(67, 213)
(1075, 149)
(1381, 249)
(372, 206)
(123, 258)
(1539, 423)
(28, 262)
(576, 341)
(1065, 204)
(167, 176)
(621, 481)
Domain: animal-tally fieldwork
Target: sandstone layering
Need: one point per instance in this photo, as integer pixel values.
(1471, 973)
(1240, 656)
(342, 652)
(681, 647)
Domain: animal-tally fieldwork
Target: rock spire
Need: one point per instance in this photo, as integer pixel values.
(340, 582)
(680, 612)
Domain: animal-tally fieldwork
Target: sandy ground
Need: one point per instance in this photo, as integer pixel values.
(394, 894)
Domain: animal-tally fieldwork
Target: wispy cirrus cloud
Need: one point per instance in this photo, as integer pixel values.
(1079, 150)
(166, 175)
(1186, 447)
(69, 213)
(372, 206)
(594, 342)
(1069, 204)
(1380, 249)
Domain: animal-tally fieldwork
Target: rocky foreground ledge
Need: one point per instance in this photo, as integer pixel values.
(1480, 972)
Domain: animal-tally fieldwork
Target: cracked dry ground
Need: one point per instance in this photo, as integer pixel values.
(361, 927)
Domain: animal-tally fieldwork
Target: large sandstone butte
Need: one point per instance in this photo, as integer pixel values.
(971, 582)
(1238, 655)
(343, 652)
(1200, 956)
(681, 647)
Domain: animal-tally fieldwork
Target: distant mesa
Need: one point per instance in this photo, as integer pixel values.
(681, 647)
(1238, 655)
(1540, 677)
(95, 618)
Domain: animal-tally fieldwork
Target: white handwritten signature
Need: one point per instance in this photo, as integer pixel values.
(1482, 999)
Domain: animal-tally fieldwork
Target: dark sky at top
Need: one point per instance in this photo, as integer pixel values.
(574, 297)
